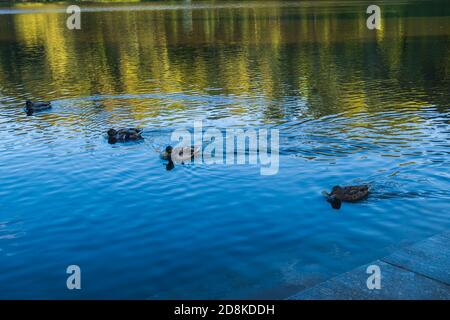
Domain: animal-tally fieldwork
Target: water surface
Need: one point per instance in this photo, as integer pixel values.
(352, 106)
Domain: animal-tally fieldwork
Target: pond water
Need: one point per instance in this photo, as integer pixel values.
(352, 106)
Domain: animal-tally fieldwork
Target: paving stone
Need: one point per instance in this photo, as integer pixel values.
(396, 284)
(430, 258)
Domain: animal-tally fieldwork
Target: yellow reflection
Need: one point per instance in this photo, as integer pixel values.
(328, 58)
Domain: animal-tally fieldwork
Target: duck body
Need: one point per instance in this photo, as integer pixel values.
(124, 135)
(179, 154)
(346, 194)
(350, 193)
(31, 107)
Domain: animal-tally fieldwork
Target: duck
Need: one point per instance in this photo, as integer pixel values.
(179, 154)
(346, 194)
(124, 135)
(31, 107)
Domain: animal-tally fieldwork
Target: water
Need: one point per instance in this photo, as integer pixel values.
(352, 106)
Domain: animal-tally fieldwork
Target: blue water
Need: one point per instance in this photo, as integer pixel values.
(138, 231)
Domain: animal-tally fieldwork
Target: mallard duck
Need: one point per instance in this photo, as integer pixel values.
(123, 135)
(179, 154)
(346, 194)
(31, 107)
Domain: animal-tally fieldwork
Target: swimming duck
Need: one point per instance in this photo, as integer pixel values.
(179, 154)
(123, 135)
(346, 194)
(31, 107)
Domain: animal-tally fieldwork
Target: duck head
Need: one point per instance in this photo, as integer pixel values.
(112, 132)
(335, 202)
(29, 108)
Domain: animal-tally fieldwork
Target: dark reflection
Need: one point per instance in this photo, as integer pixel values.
(170, 165)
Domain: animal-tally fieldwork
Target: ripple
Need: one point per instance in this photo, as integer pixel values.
(349, 110)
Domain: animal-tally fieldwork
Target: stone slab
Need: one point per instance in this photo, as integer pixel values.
(430, 258)
(396, 284)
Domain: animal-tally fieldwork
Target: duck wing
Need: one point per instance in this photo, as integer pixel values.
(182, 154)
(354, 193)
(41, 106)
(130, 131)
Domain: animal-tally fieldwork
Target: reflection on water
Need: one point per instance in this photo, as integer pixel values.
(352, 106)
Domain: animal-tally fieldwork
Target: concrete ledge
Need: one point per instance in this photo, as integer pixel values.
(430, 258)
(419, 272)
